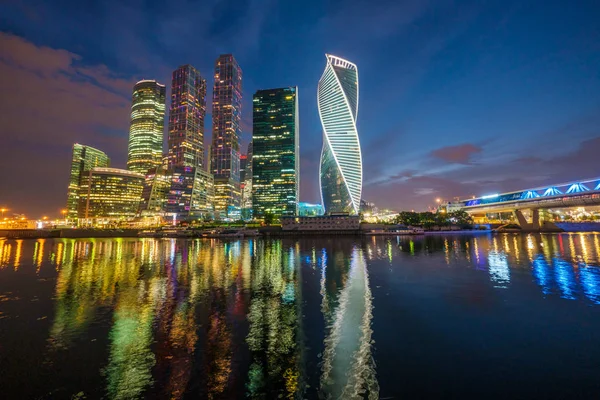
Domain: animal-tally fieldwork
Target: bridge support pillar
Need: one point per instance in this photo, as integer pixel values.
(535, 213)
(521, 219)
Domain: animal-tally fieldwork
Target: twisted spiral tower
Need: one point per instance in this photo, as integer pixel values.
(341, 161)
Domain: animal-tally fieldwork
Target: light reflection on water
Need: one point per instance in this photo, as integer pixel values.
(231, 319)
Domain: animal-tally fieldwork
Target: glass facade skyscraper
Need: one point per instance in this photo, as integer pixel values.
(84, 159)
(226, 133)
(146, 129)
(341, 160)
(186, 118)
(275, 148)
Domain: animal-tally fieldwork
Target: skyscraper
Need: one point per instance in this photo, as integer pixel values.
(341, 161)
(146, 129)
(186, 118)
(226, 133)
(275, 147)
(84, 159)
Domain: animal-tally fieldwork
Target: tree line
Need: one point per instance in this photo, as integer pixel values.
(428, 219)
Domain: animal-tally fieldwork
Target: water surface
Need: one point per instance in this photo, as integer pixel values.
(463, 316)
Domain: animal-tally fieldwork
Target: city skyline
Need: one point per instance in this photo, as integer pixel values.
(453, 116)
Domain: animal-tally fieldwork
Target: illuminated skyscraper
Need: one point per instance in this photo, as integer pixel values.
(186, 118)
(146, 129)
(226, 133)
(341, 161)
(275, 147)
(84, 158)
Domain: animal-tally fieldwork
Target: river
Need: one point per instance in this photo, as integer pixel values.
(444, 316)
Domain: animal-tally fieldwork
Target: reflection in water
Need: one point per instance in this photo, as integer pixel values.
(348, 370)
(499, 271)
(228, 319)
(543, 276)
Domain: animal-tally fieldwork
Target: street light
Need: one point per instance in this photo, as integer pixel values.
(3, 210)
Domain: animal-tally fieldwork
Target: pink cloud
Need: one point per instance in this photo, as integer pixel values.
(50, 101)
(460, 154)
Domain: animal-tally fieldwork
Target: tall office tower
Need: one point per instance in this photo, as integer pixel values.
(275, 152)
(84, 159)
(341, 161)
(146, 129)
(186, 118)
(226, 133)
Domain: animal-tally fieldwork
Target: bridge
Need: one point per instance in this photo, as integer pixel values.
(571, 194)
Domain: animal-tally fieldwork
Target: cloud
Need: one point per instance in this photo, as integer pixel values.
(52, 100)
(460, 154)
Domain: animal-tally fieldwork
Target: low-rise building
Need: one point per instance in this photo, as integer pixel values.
(191, 193)
(332, 222)
(108, 195)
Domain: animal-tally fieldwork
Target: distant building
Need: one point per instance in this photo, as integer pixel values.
(276, 153)
(246, 184)
(309, 210)
(156, 187)
(146, 129)
(191, 194)
(333, 222)
(341, 160)
(83, 159)
(226, 133)
(108, 195)
(186, 118)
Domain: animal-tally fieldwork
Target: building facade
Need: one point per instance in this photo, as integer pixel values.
(276, 152)
(191, 194)
(156, 187)
(341, 160)
(309, 210)
(226, 133)
(246, 183)
(186, 118)
(84, 158)
(109, 194)
(333, 222)
(146, 129)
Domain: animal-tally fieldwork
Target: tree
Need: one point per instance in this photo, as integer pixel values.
(269, 218)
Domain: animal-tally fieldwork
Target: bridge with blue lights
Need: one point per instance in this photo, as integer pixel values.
(572, 194)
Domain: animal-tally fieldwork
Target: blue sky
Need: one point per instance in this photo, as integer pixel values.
(456, 97)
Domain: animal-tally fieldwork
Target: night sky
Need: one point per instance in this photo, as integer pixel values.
(457, 98)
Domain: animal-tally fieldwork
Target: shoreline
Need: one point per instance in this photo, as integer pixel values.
(135, 233)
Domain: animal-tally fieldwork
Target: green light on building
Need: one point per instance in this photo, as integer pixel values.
(146, 129)
(276, 157)
(84, 159)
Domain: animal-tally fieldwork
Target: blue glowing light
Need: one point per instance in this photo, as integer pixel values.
(552, 191)
(490, 196)
(530, 194)
(541, 271)
(565, 278)
(578, 188)
(598, 187)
